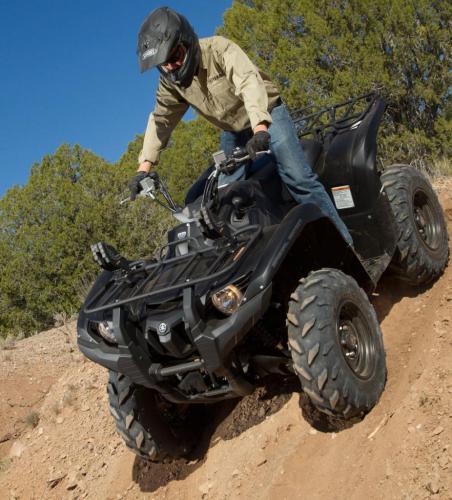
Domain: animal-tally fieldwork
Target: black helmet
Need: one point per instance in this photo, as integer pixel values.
(159, 35)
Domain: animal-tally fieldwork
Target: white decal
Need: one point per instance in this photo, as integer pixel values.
(149, 53)
(343, 197)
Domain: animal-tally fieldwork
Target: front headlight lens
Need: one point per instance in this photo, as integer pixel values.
(228, 299)
(105, 329)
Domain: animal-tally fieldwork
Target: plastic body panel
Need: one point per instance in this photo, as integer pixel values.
(349, 159)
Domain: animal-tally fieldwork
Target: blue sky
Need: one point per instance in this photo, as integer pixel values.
(69, 74)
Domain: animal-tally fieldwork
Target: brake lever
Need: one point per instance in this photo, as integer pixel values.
(148, 186)
(232, 162)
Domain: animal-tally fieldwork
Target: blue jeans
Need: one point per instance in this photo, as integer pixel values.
(294, 170)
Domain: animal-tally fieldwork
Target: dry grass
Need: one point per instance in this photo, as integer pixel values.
(8, 344)
(443, 167)
(436, 169)
(7, 356)
(60, 319)
(63, 322)
(20, 336)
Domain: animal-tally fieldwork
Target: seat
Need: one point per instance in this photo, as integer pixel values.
(312, 150)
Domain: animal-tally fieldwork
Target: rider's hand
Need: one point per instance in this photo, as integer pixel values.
(134, 184)
(259, 142)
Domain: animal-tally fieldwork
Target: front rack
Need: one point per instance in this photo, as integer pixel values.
(318, 122)
(172, 273)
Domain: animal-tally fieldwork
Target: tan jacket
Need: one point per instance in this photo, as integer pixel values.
(229, 91)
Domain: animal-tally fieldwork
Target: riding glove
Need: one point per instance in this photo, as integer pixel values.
(259, 142)
(134, 184)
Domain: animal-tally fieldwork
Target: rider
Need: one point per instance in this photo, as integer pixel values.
(217, 78)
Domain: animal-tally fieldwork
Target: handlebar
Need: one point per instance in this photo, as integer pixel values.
(151, 186)
(148, 187)
(229, 164)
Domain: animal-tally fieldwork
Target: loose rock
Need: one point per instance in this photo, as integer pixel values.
(17, 449)
(204, 488)
(433, 486)
(437, 431)
(54, 480)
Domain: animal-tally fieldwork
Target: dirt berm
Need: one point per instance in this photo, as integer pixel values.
(57, 439)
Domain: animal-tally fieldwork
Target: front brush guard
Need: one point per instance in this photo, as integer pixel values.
(214, 340)
(187, 269)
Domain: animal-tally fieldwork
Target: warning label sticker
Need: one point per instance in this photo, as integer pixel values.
(342, 196)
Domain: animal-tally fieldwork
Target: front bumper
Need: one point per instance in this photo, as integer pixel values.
(213, 340)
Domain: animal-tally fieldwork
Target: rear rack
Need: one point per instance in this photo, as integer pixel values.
(318, 122)
(170, 273)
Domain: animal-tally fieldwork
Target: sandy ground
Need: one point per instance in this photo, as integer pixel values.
(57, 439)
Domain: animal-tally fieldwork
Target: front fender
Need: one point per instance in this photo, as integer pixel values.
(293, 230)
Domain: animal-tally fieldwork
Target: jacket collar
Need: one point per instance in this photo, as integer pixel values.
(203, 60)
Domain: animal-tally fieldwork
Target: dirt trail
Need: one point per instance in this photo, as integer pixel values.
(259, 448)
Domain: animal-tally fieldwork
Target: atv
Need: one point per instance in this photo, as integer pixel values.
(251, 284)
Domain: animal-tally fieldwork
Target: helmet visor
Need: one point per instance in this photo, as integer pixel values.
(153, 52)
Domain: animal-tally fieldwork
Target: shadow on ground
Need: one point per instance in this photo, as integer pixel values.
(390, 291)
(221, 421)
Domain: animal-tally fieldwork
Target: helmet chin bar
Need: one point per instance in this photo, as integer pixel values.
(167, 71)
(184, 75)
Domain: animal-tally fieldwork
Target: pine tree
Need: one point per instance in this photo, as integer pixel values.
(327, 51)
(71, 201)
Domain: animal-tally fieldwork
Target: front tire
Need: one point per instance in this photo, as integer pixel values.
(336, 344)
(422, 246)
(146, 421)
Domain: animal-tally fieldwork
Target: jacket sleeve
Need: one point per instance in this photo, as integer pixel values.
(170, 107)
(247, 81)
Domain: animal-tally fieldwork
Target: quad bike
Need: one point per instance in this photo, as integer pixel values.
(251, 284)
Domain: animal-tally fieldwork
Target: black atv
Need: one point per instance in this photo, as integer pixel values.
(251, 284)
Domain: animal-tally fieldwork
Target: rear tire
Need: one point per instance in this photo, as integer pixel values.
(422, 246)
(144, 420)
(336, 344)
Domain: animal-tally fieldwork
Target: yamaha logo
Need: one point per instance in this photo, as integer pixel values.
(163, 328)
(149, 53)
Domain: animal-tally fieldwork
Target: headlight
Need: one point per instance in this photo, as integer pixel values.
(228, 299)
(105, 329)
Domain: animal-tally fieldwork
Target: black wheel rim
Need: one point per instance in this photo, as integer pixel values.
(357, 341)
(427, 220)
